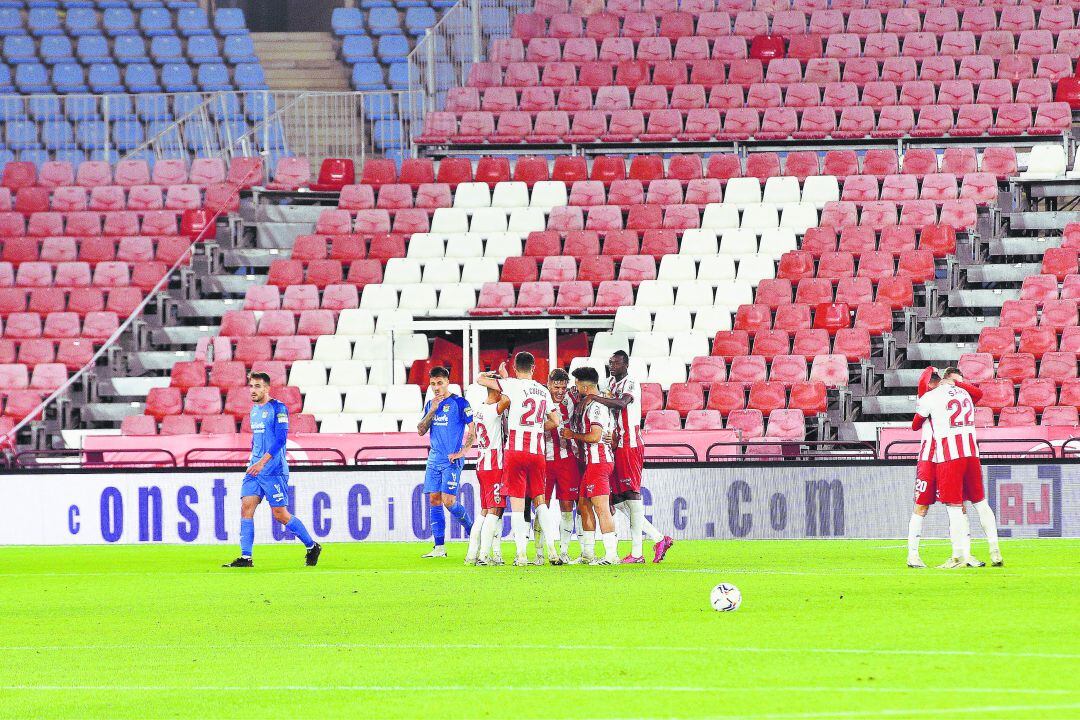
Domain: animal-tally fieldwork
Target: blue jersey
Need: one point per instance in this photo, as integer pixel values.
(448, 426)
(270, 430)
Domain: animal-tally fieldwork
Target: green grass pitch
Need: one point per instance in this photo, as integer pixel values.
(827, 629)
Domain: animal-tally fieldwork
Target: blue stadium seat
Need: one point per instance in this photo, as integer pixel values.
(153, 107)
(117, 107)
(118, 21)
(393, 48)
(368, 76)
(21, 135)
(141, 4)
(56, 49)
(177, 77)
(230, 21)
(368, 4)
(230, 131)
(383, 21)
(258, 105)
(44, 21)
(5, 79)
(92, 49)
(387, 134)
(192, 21)
(105, 78)
(57, 135)
(19, 49)
(166, 49)
(31, 78)
(240, 49)
(127, 134)
(12, 107)
(130, 49)
(6, 156)
(380, 106)
(44, 107)
(110, 156)
(165, 131)
(406, 4)
(203, 49)
(399, 76)
(68, 78)
(11, 22)
(493, 18)
(141, 78)
(418, 20)
(106, 4)
(91, 134)
(69, 4)
(347, 21)
(273, 138)
(71, 155)
(249, 76)
(357, 48)
(38, 156)
(156, 21)
(178, 4)
(81, 21)
(226, 106)
(185, 103)
(199, 138)
(213, 77)
(81, 107)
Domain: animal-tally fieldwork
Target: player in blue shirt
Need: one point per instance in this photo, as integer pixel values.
(268, 474)
(447, 417)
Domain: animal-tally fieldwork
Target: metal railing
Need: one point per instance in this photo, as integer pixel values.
(443, 57)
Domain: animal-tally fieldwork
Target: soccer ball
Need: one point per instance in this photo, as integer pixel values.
(725, 597)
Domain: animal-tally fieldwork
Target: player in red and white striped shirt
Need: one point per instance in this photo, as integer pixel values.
(489, 421)
(564, 463)
(622, 395)
(950, 409)
(531, 413)
(588, 429)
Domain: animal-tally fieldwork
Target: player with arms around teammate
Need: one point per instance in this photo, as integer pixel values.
(485, 547)
(925, 482)
(447, 417)
(950, 409)
(589, 429)
(564, 465)
(268, 473)
(532, 412)
(622, 395)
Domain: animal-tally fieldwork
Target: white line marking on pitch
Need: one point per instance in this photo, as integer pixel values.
(891, 712)
(567, 647)
(522, 688)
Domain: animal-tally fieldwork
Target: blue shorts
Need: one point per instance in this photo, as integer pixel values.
(275, 488)
(443, 476)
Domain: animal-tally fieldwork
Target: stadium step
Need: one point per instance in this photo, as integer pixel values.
(301, 61)
(1000, 272)
(982, 298)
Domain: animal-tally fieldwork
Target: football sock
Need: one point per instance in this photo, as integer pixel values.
(647, 527)
(914, 533)
(247, 536)
(566, 529)
(474, 538)
(438, 523)
(957, 530)
(297, 528)
(588, 543)
(458, 512)
(549, 526)
(520, 529)
(637, 521)
(989, 524)
(487, 534)
(496, 538)
(611, 546)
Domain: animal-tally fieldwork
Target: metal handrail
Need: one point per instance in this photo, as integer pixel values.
(1047, 451)
(86, 458)
(357, 460)
(848, 450)
(337, 455)
(1067, 452)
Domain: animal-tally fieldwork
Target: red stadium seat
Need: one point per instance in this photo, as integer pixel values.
(1037, 393)
(684, 397)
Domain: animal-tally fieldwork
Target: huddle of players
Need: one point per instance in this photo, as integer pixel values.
(580, 445)
(949, 470)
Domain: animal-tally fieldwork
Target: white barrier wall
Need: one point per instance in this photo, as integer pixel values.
(865, 501)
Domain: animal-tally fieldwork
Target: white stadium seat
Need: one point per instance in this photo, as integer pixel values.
(502, 246)
(742, 191)
(774, 243)
(677, 268)
(799, 217)
(456, 299)
(338, 425)
(345, 374)
(379, 297)
(548, 194)
(667, 373)
(712, 320)
(720, 216)
(650, 346)
(471, 195)
(426, 245)
(686, 346)
(479, 270)
(465, 245)
(820, 189)
(384, 373)
(417, 298)
(488, 220)
(632, 318)
(441, 271)
(398, 271)
(366, 400)
(717, 269)
(510, 195)
(372, 348)
(402, 399)
(606, 342)
(526, 220)
(655, 294)
(445, 221)
(307, 373)
(760, 217)
(755, 268)
(671, 320)
(354, 321)
(379, 424)
(738, 242)
(1045, 162)
(322, 401)
(331, 348)
(694, 294)
(598, 364)
(781, 190)
(411, 347)
(733, 294)
(391, 320)
(698, 243)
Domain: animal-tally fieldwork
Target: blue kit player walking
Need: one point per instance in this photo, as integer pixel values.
(447, 417)
(268, 474)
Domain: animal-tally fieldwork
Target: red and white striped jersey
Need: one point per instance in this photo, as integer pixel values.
(628, 420)
(530, 403)
(951, 413)
(559, 447)
(490, 436)
(926, 443)
(598, 452)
